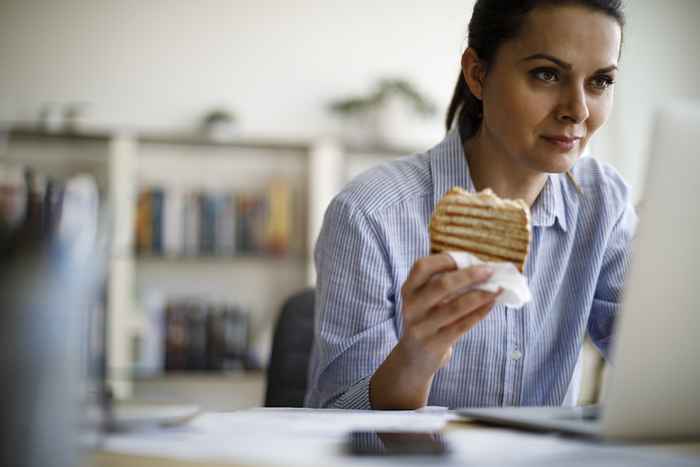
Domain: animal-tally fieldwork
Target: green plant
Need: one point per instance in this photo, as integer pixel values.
(383, 91)
(218, 116)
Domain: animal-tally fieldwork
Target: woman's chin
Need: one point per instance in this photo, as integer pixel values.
(558, 163)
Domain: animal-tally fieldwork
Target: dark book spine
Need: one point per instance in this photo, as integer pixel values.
(215, 339)
(175, 338)
(206, 224)
(242, 224)
(157, 201)
(211, 224)
(259, 223)
(196, 338)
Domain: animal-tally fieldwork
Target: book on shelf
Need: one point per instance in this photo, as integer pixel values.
(173, 222)
(251, 213)
(175, 338)
(196, 341)
(190, 225)
(225, 225)
(173, 232)
(157, 202)
(202, 336)
(207, 221)
(278, 227)
(144, 223)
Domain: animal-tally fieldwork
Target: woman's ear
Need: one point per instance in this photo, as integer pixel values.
(474, 72)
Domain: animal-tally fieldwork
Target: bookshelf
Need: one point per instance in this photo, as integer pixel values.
(125, 164)
(210, 392)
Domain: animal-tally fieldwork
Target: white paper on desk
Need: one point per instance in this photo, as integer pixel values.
(271, 436)
(324, 422)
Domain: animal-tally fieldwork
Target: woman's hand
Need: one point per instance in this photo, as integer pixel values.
(435, 314)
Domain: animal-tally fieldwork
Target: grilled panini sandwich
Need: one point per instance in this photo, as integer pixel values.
(491, 228)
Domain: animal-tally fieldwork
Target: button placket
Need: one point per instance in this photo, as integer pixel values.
(510, 364)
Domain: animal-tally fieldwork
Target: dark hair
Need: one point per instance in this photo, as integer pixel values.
(494, 22)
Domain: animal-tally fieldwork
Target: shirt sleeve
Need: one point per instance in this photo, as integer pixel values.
(608, 292)
(355, 328)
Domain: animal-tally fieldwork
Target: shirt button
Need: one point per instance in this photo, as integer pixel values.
(516, 355)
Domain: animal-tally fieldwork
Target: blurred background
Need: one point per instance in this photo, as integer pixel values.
(217, 131)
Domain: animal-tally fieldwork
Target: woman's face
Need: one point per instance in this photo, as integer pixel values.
(549, 90)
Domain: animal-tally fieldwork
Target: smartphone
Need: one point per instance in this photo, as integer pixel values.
(397, 443)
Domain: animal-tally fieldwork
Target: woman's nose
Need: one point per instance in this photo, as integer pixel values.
(573, 107)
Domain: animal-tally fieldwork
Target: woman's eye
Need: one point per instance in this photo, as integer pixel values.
(545, 74)
(602, 82)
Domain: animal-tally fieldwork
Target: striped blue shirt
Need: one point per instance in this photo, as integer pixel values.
(377, 227)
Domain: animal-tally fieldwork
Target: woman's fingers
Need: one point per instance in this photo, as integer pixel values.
(455, 330)
(437, 303)
(445, 314)
(425, 268)
(448, 286)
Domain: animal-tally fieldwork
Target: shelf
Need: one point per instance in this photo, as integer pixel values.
(184, 138)
(383, 151)
(29, 133)
(209, 391)
(219, 259)
(202, 377)
(180, 139)
(125, 161)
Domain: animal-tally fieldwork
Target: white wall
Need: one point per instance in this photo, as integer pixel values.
(660, 62)
(276, 62)
(162, 63)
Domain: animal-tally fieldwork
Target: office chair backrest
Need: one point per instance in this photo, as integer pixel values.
(291, 349)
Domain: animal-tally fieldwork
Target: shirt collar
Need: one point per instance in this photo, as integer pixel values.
(449, 168)
(549, 205)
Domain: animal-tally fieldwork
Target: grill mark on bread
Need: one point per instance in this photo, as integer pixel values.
(478, 212)
(497, 240)
(485, 198)
(480, 246)
(491, 228)
(440, 247)
(514, 231)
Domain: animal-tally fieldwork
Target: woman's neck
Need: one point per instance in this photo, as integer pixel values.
(490, 167)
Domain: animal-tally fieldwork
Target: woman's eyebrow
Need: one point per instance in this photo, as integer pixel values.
(562, 63)
(607, 69)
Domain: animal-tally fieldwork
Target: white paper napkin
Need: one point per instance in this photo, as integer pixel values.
(516, 292)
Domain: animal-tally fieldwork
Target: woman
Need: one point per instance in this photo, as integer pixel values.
(536, 83)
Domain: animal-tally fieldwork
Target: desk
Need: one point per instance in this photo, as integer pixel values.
(303, 437)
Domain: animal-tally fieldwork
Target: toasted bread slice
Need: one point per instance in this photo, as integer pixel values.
(491, 228)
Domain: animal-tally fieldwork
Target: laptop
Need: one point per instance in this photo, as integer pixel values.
(654, 390)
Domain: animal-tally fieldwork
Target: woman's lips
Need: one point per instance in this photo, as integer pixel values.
(564, 143)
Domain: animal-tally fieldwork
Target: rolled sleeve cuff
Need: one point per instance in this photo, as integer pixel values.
(357, 397)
